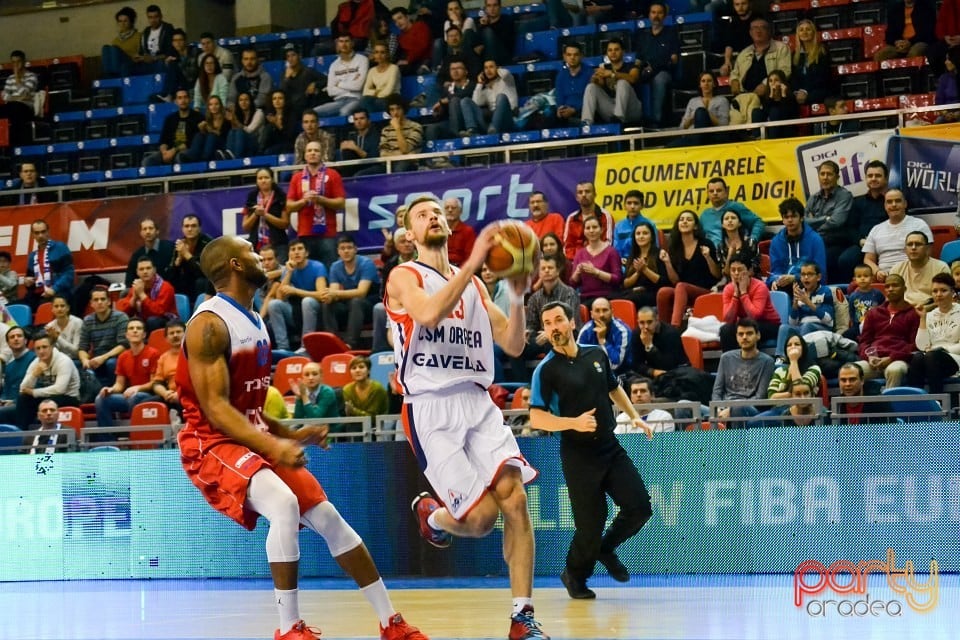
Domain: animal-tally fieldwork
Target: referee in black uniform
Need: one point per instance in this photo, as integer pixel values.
(571, 392)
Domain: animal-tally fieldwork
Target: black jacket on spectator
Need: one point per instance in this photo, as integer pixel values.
(166, 40)
(924, 21)
(162, 257)
(666, 354)
(192, 122)
(10, 198)
(816, 79)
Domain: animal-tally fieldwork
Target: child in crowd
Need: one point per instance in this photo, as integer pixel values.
(812, 302)
(865, 297)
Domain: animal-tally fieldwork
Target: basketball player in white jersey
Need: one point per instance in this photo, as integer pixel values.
(245, 463)
(444, 325)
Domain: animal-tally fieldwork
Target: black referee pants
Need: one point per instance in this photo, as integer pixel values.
(590, 478)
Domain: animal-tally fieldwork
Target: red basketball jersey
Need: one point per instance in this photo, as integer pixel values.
(249, 364)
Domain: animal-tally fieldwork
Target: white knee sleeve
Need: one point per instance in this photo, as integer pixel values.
(327, 521)
(269, 496)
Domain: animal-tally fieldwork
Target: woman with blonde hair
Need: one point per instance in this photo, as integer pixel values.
(811, 78)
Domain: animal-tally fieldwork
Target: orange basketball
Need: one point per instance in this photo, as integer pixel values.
(515, 250)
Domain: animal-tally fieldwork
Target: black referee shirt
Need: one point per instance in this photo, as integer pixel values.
(567, 387)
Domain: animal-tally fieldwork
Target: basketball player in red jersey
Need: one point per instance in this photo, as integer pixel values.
(444, 326)
(246, 464)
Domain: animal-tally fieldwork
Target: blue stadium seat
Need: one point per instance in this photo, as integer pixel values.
(561, 133)
(540, 43)
(59, 180)
(138, 89)
(485, 140)
(586, 36)
(156, 172)
(13, 440)
(382, 364)
(157, 113)
(520, 137)
(903, 407)
(183, 306)
(625, 31)
(444, 145)
(950, 251)
(122, 174)
(333, 121)
(21, 314)
(275, 69)
(601, 130)
(412, 86)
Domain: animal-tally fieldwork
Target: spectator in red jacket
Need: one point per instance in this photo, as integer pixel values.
(573, 238)
(354, 18)
(415, 43)
(948, 36)
(888, 336)
(462, 235)
(151, 298)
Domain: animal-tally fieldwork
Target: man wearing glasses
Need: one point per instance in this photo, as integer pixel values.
(918, 269)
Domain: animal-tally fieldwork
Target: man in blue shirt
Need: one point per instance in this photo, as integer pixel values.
(719, 194)
(794, 245)
(623, 232)
(354, 286)
(612, 334)
(14, 370)
(570, 83)
(304, 280)
(49, 268)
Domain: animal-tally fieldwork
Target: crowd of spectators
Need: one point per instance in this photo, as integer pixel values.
(899, 304)
(768, 77)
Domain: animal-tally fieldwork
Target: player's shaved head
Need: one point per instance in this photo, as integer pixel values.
(215, 259)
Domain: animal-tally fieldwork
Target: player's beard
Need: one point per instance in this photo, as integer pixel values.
(559, 339)
(255, 275)
(435, 241)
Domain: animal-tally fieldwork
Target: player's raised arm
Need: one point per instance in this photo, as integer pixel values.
(206, 342)
(509, 331)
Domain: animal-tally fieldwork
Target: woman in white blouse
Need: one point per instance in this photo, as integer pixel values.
(938, 338)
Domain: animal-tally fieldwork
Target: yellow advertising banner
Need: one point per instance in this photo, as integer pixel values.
(934, 131)
(759, 174)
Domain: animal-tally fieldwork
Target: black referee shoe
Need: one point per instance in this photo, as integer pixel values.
(614, 567)
(576, 589)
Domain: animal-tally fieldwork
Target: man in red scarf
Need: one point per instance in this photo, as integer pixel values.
(151, 298)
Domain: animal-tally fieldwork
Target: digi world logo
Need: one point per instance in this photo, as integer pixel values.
(813, 581)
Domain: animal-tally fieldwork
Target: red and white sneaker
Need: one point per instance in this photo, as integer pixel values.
(398, 629)
(523, 626)
(422, 506)
(299, 631)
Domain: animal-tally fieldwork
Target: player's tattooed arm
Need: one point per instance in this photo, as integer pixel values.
(207, 341)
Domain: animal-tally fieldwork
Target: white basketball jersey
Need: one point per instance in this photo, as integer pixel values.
(249, 363)
(458, 350)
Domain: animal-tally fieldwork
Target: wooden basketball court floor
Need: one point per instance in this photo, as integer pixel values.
(674, 607)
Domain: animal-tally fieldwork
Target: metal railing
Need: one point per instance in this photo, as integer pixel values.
(716, 421)
(840, 414)
(634, 141)
(365, 434)
(165, 441)
(22, 441)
